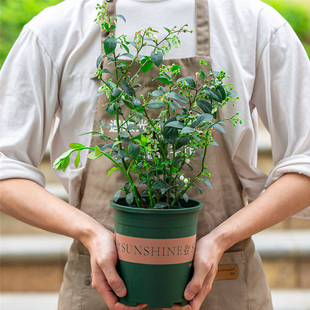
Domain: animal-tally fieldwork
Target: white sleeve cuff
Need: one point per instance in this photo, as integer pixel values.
(10, 168)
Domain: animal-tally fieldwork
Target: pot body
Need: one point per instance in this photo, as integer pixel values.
(155, 249)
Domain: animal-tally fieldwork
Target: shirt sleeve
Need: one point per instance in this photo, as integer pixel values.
(281, 96)
(29, 100)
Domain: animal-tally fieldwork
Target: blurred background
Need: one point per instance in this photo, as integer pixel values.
(32, 260)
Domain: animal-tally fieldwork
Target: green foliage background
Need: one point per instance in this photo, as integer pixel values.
(14, 14)
(297, 13)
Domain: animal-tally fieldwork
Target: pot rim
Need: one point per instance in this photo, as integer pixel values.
(130, 209)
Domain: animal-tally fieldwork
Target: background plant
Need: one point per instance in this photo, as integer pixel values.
(153, 160)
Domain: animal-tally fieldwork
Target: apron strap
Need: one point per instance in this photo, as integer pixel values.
(202, 26)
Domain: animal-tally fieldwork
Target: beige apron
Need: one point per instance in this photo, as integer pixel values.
(250, 290)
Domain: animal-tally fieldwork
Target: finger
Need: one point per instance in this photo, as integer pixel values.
(197, 301)
(119, 306)
(112, 277)
(201, 271)
(101, 285)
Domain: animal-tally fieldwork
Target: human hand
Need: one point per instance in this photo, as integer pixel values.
(207, 256)
(105, 279)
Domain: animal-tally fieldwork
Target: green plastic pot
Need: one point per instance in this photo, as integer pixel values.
(155, 249)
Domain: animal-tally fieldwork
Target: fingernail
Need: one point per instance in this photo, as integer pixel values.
(189, 295)
(120, 292)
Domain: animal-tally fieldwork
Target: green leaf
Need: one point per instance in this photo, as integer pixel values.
(213, 95)
(128, 89)
(185, 197)
(127, 187)
(131, 127)
(109, 44)
(129, 198)
(93, 155)
(125, 47)
(175, 67)
(170, 133)
(101, 123)
(112, 170)
(97, 150)
(190, 82)
(207, 182)
(172, 107)
(161, 205)
(199, 188)
(99, 59)
(124, 134)
(77, 160)
(121, 154)
(232, 93)
(202, 74)
(157, 93)
(167, 162)
(147, 66)
(161, 185)
(175, 124)
(156, 105)
(187, 130)
(65, 163)
(117, 195)
(136, 102)
(116, 92)
(176, 96)
(219, 128)
(177, 161)
(128, 55)
(167, 29)
(110, 109)
(176, 104)
(214, 143)
(120, 16)
(205, 106)
(76, 145)
(202, 119)
(105, 70)
(157, 58)
(163, 80)
(133, 150)
(167, 74)
(199, 155)
(222, 91)
(103, 147)
(116, 143)
(162, 89)
(128, 104)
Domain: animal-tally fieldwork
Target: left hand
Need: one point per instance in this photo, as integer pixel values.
(207, 256)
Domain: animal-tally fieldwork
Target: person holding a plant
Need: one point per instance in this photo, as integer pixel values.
(158, 129)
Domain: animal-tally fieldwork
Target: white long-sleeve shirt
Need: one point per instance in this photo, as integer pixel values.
(48, 71)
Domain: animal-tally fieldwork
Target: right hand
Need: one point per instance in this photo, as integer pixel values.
(105, 279)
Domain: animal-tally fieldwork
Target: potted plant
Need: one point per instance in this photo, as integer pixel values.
(155, 220)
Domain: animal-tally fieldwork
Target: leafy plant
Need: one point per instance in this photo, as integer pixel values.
(187, 116)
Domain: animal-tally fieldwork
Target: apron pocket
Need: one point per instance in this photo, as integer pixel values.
(84, 297)
(230, 291)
